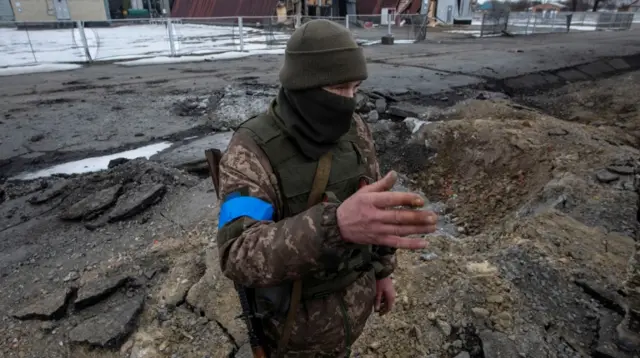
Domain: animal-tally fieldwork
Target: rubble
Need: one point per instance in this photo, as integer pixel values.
(537, 220)
(184, 274)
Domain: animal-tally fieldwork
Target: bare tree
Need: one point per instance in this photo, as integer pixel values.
(626, 7)
(596, 3)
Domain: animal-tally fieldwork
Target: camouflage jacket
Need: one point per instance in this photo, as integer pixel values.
(268, 253)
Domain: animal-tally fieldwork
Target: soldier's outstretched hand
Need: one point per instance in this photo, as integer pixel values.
(368, 217)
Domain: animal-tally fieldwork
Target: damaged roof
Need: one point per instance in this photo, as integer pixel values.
(223, 8)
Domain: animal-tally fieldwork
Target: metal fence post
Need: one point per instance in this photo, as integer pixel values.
(33, 53)
(83, 39)
(172, 45)
(241, 33)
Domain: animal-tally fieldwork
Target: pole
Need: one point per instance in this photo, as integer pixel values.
(241, 33)
(172, 44)
(33, 53)
(389, 24)
(83, 39)
(346, 21)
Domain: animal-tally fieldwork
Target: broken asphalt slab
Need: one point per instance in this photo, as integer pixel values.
(52, 306)
(92, 205)
(132, 203)
(94, 291)
(111, 327)
(190, 155)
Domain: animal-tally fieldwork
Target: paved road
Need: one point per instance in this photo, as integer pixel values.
(470, 59)
(57, 116)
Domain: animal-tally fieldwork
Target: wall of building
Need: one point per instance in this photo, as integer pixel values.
(33, 10)
(87, 10)
(44, 10)
(6, 11)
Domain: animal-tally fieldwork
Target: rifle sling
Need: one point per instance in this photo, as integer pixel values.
(320, 181)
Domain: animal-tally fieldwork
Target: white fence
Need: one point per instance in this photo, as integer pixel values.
(528, 23)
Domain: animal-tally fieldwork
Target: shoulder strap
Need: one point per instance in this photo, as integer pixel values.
(320, 181)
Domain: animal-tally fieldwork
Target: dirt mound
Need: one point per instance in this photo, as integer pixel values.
(550, 210)
(608, 103)
(496, 164)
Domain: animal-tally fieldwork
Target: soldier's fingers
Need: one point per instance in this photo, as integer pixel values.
(402, 242)
(384, 184)
(406, 217)
(378, 300)
(390, 199)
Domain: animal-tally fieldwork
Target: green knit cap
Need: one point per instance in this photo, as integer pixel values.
(322, 53)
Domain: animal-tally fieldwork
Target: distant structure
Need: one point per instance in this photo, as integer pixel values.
(54, 10)
(447, 11)
(6, 11)
(98, 11)
(548, 7)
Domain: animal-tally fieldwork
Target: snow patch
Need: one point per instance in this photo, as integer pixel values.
(95, 163)
(126, 40)
(376, 42)
(39, 68)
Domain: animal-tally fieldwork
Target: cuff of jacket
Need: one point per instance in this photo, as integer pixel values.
(382, 271)
(333, 245)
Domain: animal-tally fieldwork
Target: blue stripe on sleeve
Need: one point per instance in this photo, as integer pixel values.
(239, 206)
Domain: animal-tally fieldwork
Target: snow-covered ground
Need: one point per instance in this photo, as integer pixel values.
(94, 164)
(127, 41)
(38, 68)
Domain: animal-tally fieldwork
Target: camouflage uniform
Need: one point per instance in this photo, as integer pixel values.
(270, 253)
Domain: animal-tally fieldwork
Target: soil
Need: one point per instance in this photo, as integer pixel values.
(538, 214)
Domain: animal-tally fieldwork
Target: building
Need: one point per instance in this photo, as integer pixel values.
(59, 10)
(454, 11)
(548, 7)
(6, 11)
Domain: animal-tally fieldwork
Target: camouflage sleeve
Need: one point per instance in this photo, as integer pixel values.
(255, 248)
(386, 259)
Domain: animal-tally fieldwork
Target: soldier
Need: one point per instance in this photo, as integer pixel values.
(306, 220)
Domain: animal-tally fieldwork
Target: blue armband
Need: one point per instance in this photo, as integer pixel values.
(237, 206)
